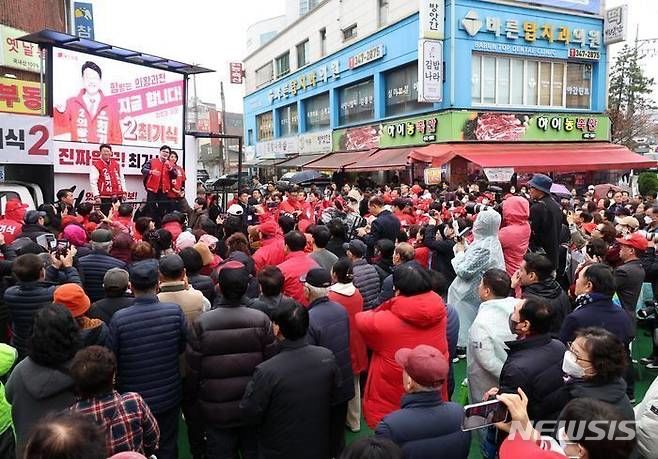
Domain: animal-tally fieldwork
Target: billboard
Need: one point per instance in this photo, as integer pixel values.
(101, 100)
(25, 139)
(19, 96)
(18, 54)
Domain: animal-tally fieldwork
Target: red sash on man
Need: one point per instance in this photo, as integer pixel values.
(109, 178)
(158, 178)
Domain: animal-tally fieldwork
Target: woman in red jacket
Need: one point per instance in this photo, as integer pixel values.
(416, 315)
(347, 295)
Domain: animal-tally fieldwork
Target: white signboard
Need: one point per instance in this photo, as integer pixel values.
(432, 18)
(430, 72)
(499, 174)
(615, 25)
(315, 142)
(366, 56)
(278, 148)
(26, 139)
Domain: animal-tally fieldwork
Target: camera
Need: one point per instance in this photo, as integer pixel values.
(473, 208)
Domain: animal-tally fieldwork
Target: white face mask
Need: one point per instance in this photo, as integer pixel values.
(570, 366)
(564, 442)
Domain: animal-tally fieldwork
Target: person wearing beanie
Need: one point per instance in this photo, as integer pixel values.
(34, 224)
(92, 331)
(115, 285)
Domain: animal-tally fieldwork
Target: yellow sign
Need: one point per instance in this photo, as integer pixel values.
(432, 175)
(18, 54)
(18, 96)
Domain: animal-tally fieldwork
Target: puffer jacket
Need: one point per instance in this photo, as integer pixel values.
(271, 253)
(551, 292)
(329, 326)
(613, 393)
(92, 270)
(514, 235)
(224, 347)
(147, 338)
(204, 284)
(366, 279)
(403, 321)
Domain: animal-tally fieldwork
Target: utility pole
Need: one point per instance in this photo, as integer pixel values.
(223, 155)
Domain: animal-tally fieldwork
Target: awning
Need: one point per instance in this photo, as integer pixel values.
(300, 161)
(536, 157)
(270, 162)
(339, 160)
(382, 160)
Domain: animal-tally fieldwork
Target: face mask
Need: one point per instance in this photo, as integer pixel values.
(564, 442)
(512, 325)
(570, 366)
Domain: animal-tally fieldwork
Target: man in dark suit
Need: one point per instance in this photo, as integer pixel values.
(545, 218)
(385, 226)
(629, 276)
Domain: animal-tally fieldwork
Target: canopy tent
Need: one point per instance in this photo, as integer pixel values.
(300, 161)
(339, 160)
(382, 160)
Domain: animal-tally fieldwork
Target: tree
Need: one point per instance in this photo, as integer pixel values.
(647, 183)
(629, 98)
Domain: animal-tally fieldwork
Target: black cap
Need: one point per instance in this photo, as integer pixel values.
(317, 277)
(171, 265)
(357, 247)
(101, 235)
(144, 274)
(32, 216)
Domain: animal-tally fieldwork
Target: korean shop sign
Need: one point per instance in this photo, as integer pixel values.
(18, 96)
(26, 139)
(585, 126)
(18, 54)
(318, 76)
(366, 56)
(432, 18)
(414, 131)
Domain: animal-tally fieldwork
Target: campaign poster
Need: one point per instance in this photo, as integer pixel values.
(100, 100)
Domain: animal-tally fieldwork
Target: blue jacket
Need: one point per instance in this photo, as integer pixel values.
(329, 327)
(24, 299)
(147, 339)
(92, 270)
(602, 313)
(427, 427)
(366, 280)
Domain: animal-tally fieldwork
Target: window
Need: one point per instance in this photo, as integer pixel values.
(383, 12)
(302, 54)
(250, 137)
(264, 74)
(288, 120)
(323, 42)
(282, 65)
(317, 112)
(306, 6)
(402, 91)
(526, 82)
(357, 102)
(349, 32)
(265, 126)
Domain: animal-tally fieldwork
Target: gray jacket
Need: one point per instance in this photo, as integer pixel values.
(366, 280)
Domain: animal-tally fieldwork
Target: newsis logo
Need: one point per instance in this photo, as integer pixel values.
(577, 430)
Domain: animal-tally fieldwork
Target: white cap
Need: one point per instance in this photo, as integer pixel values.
(235, 209)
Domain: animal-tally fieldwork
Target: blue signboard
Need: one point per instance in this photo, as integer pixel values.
(84, 20)
(585, 6)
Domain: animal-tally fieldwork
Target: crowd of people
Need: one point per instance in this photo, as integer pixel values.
(275, 323)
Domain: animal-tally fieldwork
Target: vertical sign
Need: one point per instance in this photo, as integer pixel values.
(430, 71)
(614, 29)
(432, 18)
(235, 69)
(84, 20)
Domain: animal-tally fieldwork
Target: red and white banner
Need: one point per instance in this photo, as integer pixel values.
(25, 139)
(235, 69)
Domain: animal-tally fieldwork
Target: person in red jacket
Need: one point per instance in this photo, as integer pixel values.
(296, 264)
(272, 250)
(415, 316)
(12, 225)
(157, 181)
(177, 191)
(514, 235)
(347, 295)
(292, 205)
(106, 179)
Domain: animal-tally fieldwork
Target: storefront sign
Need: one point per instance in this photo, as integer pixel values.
(430, 72)
(84, 20)
(499, 174)
(18, 54)
(414, 131)
(615, 25)
(513, 29)
(18, 96)
(318, 76)
(367, 56)
(26, 139)
(587, 126)
(315, 142)
(236, 72)
(432, 175)
(277, 148)
(520, 50)
(584, 54)
(432, 18)
(585, 6)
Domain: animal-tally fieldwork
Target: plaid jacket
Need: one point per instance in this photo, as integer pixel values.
(126, 419)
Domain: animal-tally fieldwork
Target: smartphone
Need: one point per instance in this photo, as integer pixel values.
(62, 248)
(47, 241)
(484, 414)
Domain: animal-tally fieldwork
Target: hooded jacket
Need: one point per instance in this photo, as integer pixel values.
(550, 291)
(403, 321)
(348, 296)
(515, 234)
(35, 391)
(613, 393)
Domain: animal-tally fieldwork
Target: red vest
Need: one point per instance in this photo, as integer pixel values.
(177, 183)
(158, 178)
(109, 179)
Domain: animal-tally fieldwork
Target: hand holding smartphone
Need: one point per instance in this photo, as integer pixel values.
(484, 414)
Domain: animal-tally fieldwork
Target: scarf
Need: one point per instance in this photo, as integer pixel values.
(589, 298)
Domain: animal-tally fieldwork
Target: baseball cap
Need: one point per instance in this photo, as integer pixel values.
(235, 210)
(628, 221)
(268, 228)
(73, 297)
(171, 264)
(635, 240)
(416, 189)
(101, 235)
(116, 278)
(424, 364)
(32, 216)
(317, 277)
(513, 448)
(144, 274)
(357, 247)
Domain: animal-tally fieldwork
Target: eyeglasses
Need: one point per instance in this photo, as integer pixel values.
(572, 349)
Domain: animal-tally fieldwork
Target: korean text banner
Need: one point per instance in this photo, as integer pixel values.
(25, 139)
(100, 100)
(18, 96)
(18, 54)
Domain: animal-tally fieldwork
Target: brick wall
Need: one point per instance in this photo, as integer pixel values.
(33, 15)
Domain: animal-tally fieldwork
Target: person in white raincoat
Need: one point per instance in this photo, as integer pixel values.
(469, 264)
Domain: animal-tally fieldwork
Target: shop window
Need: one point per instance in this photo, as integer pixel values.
(316, 112)
(264, 74)
(357, 102)
(402, 91)
(265, 126)
(516, 82)
(288, 120)
(302, 54)
(282, 65)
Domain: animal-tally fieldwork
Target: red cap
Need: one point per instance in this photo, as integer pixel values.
(425, 364)
(268, 228)
(518, 447)
(73, 297)
(416, 189)
(231, 264)
(635, 240)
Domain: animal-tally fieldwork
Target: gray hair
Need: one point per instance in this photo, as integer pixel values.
(106, 246)
(316, 292)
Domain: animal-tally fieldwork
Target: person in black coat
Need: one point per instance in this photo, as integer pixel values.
(534, 360)
(545, 218)
(34, 225)
(385, 226)
(94, 266)
(115, 284)
(425, 426)
(630, 275)
(193, 264)
(329, 327)
(290, 396)
(442, 249)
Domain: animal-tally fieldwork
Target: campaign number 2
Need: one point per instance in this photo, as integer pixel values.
(36, 149)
